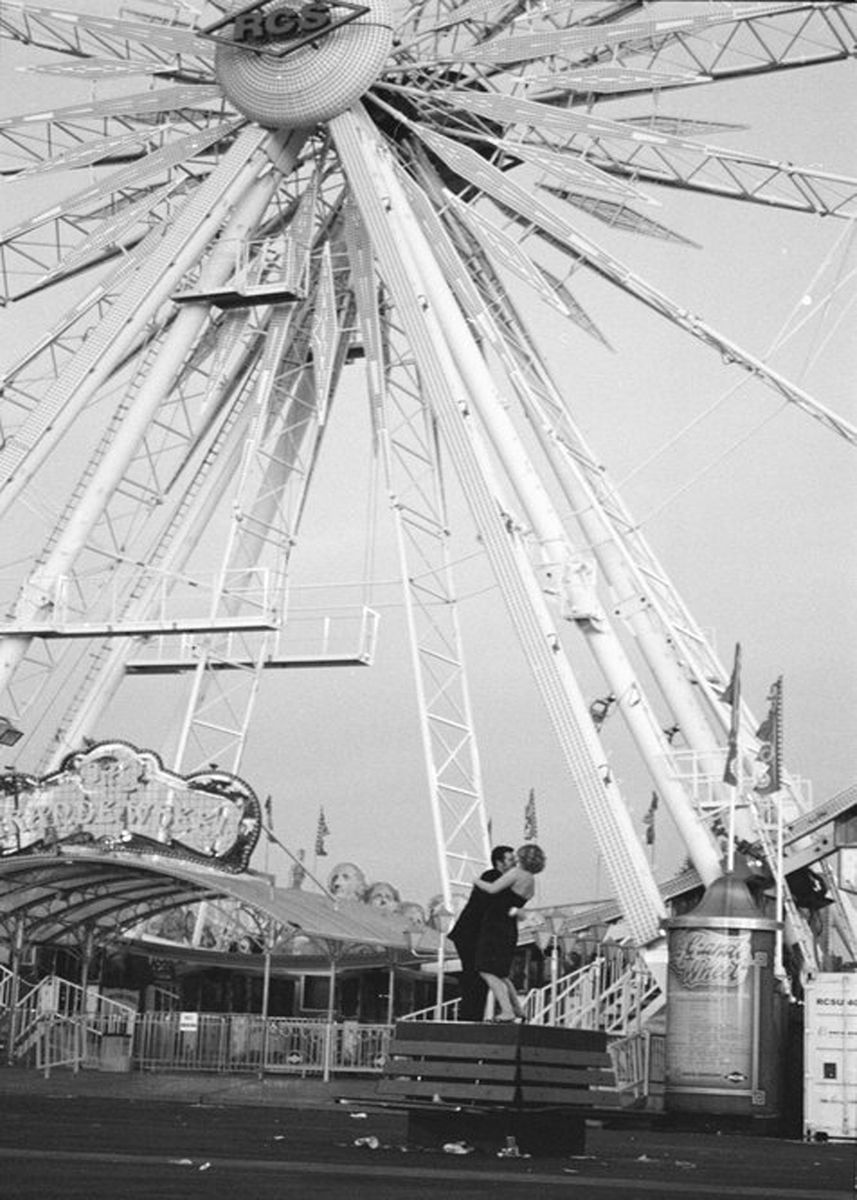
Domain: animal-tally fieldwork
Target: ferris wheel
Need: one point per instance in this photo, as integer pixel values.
(268, 198)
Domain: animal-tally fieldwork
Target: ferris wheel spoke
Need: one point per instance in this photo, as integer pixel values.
(721, 172)
(120, 207)
(618, 216)
(94, 69)
(486, 18)
(607, 81)
(31, 377)
(88, 34)
(149, 594)
(572, 169)
(116, 234)
(502, 248)
(160, 101)
(534, 215)
(427, 19)
(667, 158)
(105, 151)
(28, 147)
(746, 39)
(577, 41)
(148, 287)
(750, 41)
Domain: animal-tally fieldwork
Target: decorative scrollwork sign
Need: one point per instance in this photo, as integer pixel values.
(115, 797)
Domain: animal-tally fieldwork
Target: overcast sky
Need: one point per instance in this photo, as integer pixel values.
(752, 511)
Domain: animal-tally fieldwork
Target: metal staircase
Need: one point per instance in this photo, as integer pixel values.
(43, 1028)
(618, 998)
(616, 995)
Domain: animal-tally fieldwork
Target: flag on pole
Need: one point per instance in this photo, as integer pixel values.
(732, 696)
(770, 735)
(320, 834)
(269, 818)
(531, 824)
(649, 820)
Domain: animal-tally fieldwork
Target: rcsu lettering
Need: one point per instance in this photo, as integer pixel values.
(282, 24)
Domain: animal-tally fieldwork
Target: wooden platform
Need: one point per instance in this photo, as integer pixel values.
(484, 1083)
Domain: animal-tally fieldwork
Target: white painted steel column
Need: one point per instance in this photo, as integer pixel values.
(248, 196)
(393, 232)
(554, 542)
(453, 835)
(633, 602)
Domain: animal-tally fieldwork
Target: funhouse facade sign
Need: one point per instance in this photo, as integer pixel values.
(115, 797)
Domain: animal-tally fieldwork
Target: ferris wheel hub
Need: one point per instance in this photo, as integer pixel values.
(285, 64)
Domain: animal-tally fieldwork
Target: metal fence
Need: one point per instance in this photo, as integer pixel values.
(639, 1063)
(234, 1042)
(246, 1042)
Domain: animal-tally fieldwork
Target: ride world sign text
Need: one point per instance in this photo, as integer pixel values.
(114, 797)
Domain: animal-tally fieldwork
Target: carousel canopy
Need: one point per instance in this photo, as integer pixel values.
(54, 897)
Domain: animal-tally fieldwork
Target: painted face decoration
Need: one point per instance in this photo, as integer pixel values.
(383, 895)
(347, 882)
(414, 914)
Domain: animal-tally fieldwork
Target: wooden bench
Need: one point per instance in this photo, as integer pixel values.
(482, 1082)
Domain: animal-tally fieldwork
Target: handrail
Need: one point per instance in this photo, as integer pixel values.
(607, 994)
(448, 1012)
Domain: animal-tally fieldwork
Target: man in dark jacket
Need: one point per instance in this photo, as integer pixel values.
(465, 937)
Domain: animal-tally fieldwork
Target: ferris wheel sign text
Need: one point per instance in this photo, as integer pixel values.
(259, 27)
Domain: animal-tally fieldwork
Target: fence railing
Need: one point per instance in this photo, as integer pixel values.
(233, 1042)
(639, 1064)
(247, 1042)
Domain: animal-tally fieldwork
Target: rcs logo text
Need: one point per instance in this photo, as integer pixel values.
(281, 24)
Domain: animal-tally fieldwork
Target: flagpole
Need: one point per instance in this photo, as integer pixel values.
(779, 967)
(269, 831)
(776, 779)
(734, 793)
(733, 774)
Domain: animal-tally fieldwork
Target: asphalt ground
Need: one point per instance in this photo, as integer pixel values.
(62, 1139)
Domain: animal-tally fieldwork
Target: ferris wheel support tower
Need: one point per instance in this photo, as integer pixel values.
(420, 295)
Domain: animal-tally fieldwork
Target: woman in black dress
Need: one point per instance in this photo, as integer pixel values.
(498, 935)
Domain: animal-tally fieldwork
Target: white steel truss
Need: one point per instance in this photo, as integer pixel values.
(297, 375)
(395, 236)
(407, 438)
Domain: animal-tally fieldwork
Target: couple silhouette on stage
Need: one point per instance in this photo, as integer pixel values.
(486, 932)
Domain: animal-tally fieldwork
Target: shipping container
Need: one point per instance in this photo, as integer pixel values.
(830, 1057)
